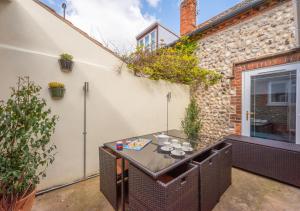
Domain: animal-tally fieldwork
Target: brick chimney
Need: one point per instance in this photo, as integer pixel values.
(187, 16)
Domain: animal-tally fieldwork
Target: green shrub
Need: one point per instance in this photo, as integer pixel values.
(66, 56)
(192, 123)
(26, 125)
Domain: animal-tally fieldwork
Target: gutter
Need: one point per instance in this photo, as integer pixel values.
(257, 3)
(229, 16)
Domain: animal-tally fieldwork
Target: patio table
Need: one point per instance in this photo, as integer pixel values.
(150, 159)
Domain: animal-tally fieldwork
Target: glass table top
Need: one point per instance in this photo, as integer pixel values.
(151, 158)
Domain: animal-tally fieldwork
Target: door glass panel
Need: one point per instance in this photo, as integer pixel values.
(273, 106)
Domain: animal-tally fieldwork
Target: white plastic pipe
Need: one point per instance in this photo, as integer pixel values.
(296, 5)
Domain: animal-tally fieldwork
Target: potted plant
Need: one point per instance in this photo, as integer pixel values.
(26, 125)
(191, 123)
(57, 89)
(66, 62)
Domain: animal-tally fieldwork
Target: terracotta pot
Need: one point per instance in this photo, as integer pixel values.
(24, 204)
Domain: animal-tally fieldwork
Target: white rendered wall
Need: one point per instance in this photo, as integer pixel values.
(119, 105)
(165, 35)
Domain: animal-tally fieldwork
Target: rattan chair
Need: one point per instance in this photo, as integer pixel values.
(175, 191)
(224, 151)
(110, 173)
(209, 194)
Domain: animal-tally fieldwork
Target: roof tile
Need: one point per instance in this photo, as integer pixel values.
(226, 12)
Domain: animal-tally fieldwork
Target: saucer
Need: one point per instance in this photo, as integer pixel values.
(187, 149)
(167, 148)
(178, 153)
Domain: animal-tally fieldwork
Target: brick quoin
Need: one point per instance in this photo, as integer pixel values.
(236, 83)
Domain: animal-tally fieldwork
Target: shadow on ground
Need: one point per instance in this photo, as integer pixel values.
(248, 192)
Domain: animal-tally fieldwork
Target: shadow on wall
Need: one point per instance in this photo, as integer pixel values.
(118, 106)
(24, 25)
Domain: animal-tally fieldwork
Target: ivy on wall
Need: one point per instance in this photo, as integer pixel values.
(177, 63)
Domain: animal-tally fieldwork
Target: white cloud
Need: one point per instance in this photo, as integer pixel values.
(153, 3)
(113, 22)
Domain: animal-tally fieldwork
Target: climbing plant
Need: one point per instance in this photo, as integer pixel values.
(176, 63)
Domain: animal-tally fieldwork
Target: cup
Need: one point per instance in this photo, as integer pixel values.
(175, 141)
(167, 143)
(186, 144)
(119, 145)
(177, 147)
(161, 139)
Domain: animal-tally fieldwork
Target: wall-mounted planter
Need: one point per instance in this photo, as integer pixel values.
(66, 62)
(57, 90)
(66, 65)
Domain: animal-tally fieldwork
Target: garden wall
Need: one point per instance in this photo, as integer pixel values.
(269, 31)
(119, 104)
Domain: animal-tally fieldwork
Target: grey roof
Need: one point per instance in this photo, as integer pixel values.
(151, 27)
(226, 12)
(239, 8)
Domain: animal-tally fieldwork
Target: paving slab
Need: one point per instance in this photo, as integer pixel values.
(83, 196)
(248, 192)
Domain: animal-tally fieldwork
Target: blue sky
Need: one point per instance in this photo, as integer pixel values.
(106, 20)
(168, 11)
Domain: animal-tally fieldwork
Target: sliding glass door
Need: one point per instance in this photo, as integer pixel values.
(270, 108)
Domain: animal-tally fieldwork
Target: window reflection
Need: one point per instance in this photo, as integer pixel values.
(273, 106)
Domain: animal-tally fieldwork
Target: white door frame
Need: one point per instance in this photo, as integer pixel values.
(246, 94)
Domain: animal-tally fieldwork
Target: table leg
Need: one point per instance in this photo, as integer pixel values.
(123, 185)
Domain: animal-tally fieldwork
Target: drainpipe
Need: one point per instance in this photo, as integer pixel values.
(296, 5)
(85, 89)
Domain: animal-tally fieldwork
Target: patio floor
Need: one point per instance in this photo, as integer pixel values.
(247, 192)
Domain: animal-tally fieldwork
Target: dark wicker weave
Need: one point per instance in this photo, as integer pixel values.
(108, 176)
(224, 151)
(208, 163)
(181, 193)
(136, 205)
(280, 161)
